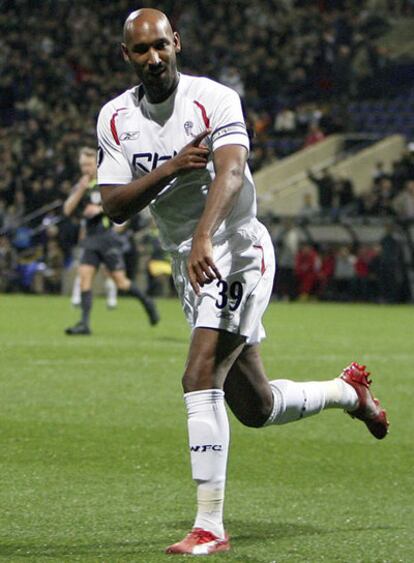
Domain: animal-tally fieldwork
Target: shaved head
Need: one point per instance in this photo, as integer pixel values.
(146, 17)
(150, 46)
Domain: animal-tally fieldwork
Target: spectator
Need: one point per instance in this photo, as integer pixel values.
(365, 282)
(8, 264)
(309, 210)
(344, 273)
(314, 135)
(325, 186)
(51, 273)
(326, 272)
(391, 269)
(403, 203)
(230, 76)
(285, 121)
(307, 266)
(287, 244)
(367, 205)
(385, 194)
(343, 199)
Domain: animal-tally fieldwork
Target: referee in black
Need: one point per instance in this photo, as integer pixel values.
(100, 244)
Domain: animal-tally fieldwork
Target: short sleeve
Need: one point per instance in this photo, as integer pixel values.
(227, 121)
(113, 167)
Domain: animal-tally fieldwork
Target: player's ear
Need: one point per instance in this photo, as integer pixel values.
(177, 42)
(125, 52)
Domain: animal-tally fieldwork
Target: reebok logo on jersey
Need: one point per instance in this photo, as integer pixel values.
(129, 136)
(207, 447)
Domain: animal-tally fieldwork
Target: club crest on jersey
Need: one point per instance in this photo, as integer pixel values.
(129, 136)
(188, 127)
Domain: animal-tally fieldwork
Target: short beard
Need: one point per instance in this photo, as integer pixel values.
(157, 93)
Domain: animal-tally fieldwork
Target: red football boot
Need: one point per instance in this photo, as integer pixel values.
(369, 409)
(200, 542)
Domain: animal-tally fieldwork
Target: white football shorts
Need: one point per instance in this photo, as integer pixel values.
(236, 303)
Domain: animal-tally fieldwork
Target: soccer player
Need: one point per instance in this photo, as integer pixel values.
(100, 245)
(111, 292)
(178, 143)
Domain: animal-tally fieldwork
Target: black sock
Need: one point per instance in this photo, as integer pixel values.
(86, 306)
(146, 301)
(137, 293)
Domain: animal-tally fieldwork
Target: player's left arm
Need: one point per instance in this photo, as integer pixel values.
(229, 163)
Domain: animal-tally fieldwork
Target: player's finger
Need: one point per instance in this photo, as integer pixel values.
(202, 151)
(193, 281)
(214, 268)
(198, 138)
(198, 159)
(201, 277)
(208, 271)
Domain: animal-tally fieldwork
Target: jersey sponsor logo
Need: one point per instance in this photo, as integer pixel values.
(147, 161)
(188, 128)
(129, 136)
(207, 447)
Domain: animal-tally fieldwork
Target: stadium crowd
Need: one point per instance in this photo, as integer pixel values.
(358, 271)
(295, 64)
(390, 195)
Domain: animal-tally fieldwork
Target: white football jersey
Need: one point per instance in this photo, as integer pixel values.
(135, 136)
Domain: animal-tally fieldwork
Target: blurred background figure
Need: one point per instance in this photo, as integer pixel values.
(307, 267)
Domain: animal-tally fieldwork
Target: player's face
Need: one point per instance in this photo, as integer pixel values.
(151, 48)
(87, 165)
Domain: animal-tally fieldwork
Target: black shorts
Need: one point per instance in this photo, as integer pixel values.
(104, 248)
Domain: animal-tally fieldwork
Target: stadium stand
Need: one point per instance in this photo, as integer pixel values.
(335, 77)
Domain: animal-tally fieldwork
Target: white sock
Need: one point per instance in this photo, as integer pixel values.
(208, 431)
(340, 395)
(297, 400)
(76, 291)
(111, 292)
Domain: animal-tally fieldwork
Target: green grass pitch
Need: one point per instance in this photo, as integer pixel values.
(94, 462)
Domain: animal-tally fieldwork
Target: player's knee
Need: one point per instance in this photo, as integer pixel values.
(254, 415)
(122, 283)
(122, 287)
(254, 420)
(197, 380)
(192, 382)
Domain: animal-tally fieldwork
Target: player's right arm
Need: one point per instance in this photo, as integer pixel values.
(76, 196)
(123, 197)
(121, 202)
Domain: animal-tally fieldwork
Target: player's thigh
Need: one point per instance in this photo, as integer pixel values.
(111, 254)
(86, 274)
(89, 255)
(247, 388)
(212, 353)
(120, 279)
